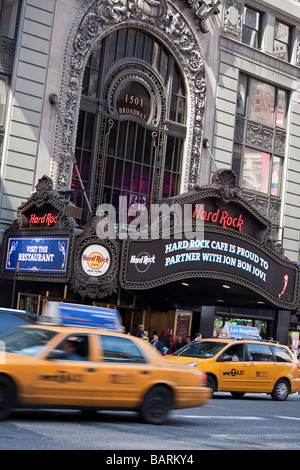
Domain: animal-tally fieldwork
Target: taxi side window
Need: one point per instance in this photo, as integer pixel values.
(235, 352)
(260, 352)
(281, 354)
(72, 348)
(118, 349)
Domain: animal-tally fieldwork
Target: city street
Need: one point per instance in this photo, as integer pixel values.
(255, 422)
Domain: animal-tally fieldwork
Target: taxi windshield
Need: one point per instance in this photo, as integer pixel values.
(26, 341)
(201, 349)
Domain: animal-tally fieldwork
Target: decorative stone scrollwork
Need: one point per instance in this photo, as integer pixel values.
(98, 18)
(89, 285)
(204, 11)
(259, 135)
(233, 18)
(224, 181)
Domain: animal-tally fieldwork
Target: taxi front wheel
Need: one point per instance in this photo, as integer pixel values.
(156, 405)
(7, 397)
(281, 390)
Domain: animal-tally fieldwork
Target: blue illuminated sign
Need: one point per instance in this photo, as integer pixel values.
(37, 255)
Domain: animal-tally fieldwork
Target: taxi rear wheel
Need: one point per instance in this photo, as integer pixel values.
(281, 390)
(211, 383)
(156, 405)
(7, 397)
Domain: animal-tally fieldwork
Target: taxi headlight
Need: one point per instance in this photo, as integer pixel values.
(192, 364)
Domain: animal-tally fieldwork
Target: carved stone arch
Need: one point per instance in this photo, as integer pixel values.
(96, 19)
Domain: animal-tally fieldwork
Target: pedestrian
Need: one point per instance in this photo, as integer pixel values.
(140, 331)
(177, 344)
(198, 336)
(157, 344)
(165, 350)
(164, 339)
(186, 341)
(145, 335)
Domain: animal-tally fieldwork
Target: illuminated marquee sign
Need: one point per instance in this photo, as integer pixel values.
(95, 260)
(39, 217)
(159, 261)
(221, 217)
(43, 255)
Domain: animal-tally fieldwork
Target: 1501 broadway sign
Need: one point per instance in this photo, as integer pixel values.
(155, 262)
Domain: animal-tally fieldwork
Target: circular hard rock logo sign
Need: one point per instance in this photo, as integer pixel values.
(95, 260)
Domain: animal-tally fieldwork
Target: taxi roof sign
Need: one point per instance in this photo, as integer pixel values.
(61, 313)
(240, 331)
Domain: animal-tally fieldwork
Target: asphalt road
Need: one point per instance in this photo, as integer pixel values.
(255, 422)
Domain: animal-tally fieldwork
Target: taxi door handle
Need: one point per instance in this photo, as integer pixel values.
(144, 372)
(90, 369)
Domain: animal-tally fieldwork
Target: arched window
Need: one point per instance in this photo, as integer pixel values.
(131, 125)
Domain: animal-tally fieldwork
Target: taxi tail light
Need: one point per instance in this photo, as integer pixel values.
(202, 379)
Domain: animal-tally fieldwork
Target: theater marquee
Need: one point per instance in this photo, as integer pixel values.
(235, 246)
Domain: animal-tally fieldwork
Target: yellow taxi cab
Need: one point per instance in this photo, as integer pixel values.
(238, 362)
(66, 366)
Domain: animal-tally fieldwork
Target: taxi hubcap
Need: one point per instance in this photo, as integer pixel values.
(282, 390)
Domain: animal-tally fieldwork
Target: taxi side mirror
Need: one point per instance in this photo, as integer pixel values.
(227, 358)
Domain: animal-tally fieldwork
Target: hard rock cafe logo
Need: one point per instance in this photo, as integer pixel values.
(95, 260)
(220, 217)
(142, 261)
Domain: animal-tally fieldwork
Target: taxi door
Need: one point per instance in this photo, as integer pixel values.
(60, 379)
(233, 372)
(262, 368)
(121, 372)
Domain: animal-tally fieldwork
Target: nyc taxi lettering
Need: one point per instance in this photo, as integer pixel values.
(260, 373)
(234, 372)
(62, 378)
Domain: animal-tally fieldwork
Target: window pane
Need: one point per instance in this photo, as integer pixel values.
(3, 95)
(275, 183)
(256, 169)
(112, 40)
(117, 349)
(93, 83)
(281, 41)
(9, 14)
(280, 50)
(112, 139)
(89, 127)
(250, 37)
(261, 102)
(260, 352)
(109, 171)
(281, 354)
(281, 32)
(236, 161)
(251, 28)
(281, 108)
(251, 18)
(177, 156)
(241, 95)
(121, 43)
(96, 56)
(131, 42)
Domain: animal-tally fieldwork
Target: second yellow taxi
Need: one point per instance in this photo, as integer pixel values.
(243, 364)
